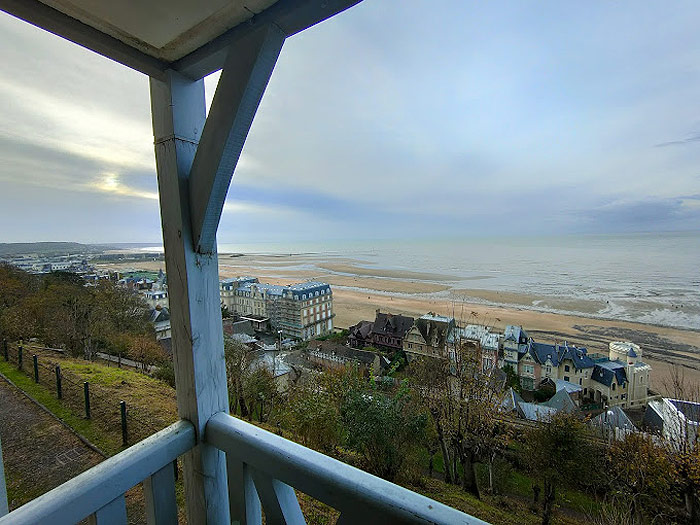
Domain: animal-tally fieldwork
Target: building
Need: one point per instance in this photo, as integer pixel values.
(491, 344)
(228, 287)
(620, 378)
(430, 335)
(386, 332)
(333, 356)
(676, 420)
(156, 298)
(515, 340)
(302, 311)
(360, 335)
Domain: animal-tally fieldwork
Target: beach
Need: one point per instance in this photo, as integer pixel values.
(359, 291)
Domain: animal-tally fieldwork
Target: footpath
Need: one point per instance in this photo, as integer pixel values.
(39, 453)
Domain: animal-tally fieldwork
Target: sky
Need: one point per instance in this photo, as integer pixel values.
(395, 118)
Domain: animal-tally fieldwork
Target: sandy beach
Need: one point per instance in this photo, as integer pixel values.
(359, 291)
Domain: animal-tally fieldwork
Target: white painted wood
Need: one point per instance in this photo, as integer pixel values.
(337, 484)
(114, 513)
(278, 499)
(4, 509)
(178, 111)
(93, 489)
(243, 497)
(159, 493)
(241, 86)
(54, 21)
(291, 16)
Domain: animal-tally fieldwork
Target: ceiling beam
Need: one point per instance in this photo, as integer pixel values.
(291, 16)
(241, 86)
(58, 23)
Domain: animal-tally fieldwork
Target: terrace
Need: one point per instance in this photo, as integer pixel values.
(232, 470)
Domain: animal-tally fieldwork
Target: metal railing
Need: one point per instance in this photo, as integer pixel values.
(99, 491)
(264, 469)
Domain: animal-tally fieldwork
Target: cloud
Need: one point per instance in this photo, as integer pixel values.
(689, 140)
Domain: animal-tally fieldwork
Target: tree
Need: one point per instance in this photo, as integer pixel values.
(641, 476)
(464, 403)
(313, 416)
(260, 392)
(386, 428)
(558, 451)
(238, 358)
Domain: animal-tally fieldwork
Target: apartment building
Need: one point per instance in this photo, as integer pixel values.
(302, 311)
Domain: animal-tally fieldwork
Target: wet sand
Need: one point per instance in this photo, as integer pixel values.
(358, 292)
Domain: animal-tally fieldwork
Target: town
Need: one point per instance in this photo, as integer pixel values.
(285, 353)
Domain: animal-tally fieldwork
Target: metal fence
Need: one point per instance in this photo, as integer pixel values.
(43, 365)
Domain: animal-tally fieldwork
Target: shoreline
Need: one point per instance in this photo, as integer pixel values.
(356, 297)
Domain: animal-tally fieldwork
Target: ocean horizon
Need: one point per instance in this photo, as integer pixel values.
(651, 278)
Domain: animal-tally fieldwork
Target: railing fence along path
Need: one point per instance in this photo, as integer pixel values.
(40, 364)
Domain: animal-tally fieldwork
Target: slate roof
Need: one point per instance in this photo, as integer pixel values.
(690, 409)
(299, 291)
(614, 417)
(516, 334)
(331, 348)
(392, 325)
(561, 402)
(435, 330)
(361, 330)
(541, 352)
(605, 371)
(534, 412)
(511, 400)
(568, 386)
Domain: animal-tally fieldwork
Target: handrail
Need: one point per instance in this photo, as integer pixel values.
(343, 487)
(97, 487)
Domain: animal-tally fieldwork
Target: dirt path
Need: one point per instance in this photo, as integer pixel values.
(39, 453)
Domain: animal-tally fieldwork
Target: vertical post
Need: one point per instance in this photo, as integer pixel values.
(4, 349)
(193, 179)
(36, 368)
(19, 356)
(178, 110)
(86, 392)
(125, 435)
(59, 389)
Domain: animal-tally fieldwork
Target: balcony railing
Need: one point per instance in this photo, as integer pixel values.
(263, 469)
(99, 492)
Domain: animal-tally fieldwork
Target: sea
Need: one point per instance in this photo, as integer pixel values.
(651, 278)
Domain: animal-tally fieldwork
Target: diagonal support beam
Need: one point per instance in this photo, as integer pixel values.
(241, 86)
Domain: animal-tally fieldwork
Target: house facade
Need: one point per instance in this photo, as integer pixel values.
(386, 332)
(429, 336)
(301, 311)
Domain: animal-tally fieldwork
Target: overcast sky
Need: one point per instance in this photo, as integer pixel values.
(399, 117)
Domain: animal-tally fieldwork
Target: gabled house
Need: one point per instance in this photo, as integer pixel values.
(360, 335)
(388, 330)
(429, 336)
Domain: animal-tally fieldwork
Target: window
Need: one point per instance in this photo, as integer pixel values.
(566, 368)
(566, 378)
(613, 387)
